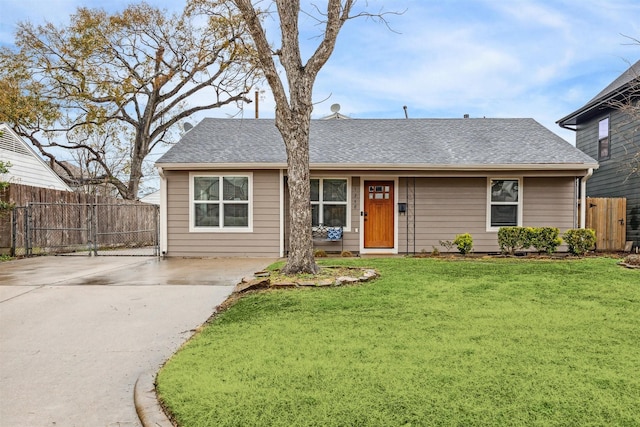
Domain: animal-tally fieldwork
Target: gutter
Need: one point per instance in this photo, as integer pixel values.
(601, 102)
(163, 212)
(583, 197)
(382, 166)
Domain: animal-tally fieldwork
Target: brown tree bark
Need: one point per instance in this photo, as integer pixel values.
(293, 110)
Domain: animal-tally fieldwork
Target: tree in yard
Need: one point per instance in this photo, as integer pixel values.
(629, 105)
(293, 98)
(113, 87)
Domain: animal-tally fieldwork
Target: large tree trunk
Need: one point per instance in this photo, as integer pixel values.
(295, 133)
(293, 112)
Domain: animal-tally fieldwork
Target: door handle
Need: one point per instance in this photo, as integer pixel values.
(621, 221)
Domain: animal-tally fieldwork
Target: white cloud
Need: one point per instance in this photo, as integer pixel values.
(526, 58)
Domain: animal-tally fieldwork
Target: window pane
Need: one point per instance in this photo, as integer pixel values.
(315, 215)
(236, 215)
(334, 215)
(334, 190)
(206, 188)
(315, 190)
(236, 188)
(207, 214)
(504, 190)
(504, 215)
(603, 128)
(603, 150)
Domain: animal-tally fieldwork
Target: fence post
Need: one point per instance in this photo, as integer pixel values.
(28, 229)
(14, 229)
(92, 218)
(156, 250)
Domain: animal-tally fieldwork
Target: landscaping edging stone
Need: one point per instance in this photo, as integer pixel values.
(262, 280)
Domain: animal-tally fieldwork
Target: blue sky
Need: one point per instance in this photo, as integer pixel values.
(493, 58)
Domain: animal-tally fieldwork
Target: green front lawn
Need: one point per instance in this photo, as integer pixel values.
(431, 342)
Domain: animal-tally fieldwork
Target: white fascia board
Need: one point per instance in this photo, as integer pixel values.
(383, 167)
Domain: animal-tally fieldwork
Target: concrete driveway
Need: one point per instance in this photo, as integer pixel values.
(76, 332)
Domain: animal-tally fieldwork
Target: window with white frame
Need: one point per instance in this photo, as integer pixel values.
(504, 202)
(329, 202)
(220, 202)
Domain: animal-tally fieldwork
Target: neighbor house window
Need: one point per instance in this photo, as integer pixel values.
(604, 142)
(504, 203)
(220, 202)
(329, 201)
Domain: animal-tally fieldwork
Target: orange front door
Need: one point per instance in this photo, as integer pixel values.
(378, 214)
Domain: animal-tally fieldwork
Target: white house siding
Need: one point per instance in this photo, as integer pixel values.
(263, 241)
(26, 167)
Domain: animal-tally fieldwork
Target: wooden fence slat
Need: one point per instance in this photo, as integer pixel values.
(116, 215)
(607, 216)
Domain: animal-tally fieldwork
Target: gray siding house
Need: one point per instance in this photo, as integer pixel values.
(613, 137)
(396, 186)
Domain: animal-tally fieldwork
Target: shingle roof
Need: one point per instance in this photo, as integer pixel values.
(380, 142)
(625, 78)
(613, 89)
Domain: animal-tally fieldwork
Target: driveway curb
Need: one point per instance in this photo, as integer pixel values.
(145, 400)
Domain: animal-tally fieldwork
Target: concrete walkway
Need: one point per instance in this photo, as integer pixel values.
(77, 332)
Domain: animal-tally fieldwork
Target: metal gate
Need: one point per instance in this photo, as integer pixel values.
(85, 229)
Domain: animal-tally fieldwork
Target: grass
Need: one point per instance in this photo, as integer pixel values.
(432, 342)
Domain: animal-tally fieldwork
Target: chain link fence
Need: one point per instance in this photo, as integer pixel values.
(85, 229)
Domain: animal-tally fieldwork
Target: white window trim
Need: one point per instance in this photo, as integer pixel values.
(219, 229)
(489, 203)
(347, 226)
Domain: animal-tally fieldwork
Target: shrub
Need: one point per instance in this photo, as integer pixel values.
(512, 239)
(464, 242)
(579, 240)
(447, 244)
(435, 251)
(346, 254)
(320, 253)
(545, 239)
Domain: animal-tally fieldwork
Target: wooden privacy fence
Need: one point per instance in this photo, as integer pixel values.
(51, 221)
(608, 217)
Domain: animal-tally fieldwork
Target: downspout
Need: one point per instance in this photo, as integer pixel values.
(163, 212)
(583, 197)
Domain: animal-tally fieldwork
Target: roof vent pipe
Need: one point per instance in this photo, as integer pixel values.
(466, 116)
(406, 114)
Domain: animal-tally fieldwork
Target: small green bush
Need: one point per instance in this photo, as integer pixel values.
(464, 242)
(545, 239)
(512, 239)
(579, 240)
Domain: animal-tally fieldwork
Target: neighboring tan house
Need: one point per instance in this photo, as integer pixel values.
(612, 136)
(27, 168)
(396, 186)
